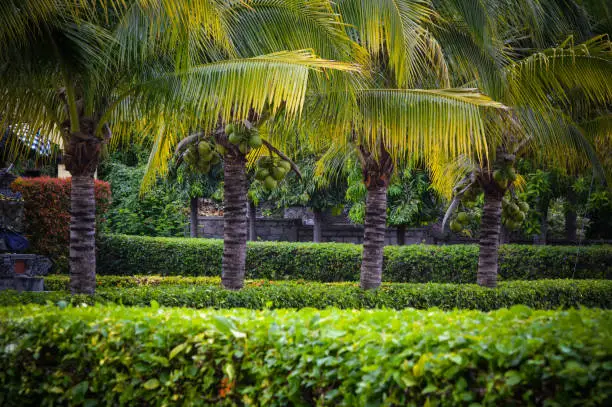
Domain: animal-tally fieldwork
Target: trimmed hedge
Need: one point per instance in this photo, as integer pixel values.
(125, 356)
(203, 293)
(326, 262)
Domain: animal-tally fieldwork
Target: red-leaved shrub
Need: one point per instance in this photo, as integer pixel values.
(47, 214)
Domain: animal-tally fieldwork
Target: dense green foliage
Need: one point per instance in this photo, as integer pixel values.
(411, 200)
(258, 294)
(162, 211)
(309, 357)
(46, 203)
(131, 255)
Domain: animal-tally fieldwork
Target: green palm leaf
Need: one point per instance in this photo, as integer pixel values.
(229, 89)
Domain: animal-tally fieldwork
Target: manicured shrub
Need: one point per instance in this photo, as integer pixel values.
(47, 214)
(259, 294)
(126, 356)
(130, 255)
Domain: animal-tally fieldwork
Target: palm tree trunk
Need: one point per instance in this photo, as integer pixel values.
(374, 236)
(401, 235)
(234, 222)
(82, 235)
(193, 217)
(316, 228)
(252, 219)
(490, 227)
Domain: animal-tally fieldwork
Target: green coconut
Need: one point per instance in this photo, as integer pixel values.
(278, 173)
(203, 148)
(234, 138)
(269, 183)
(498, 176)
(463, 217)
(511, 173)
(255, 141)
(261, 174)
(230, 128)
(285, 164)
(455, 226)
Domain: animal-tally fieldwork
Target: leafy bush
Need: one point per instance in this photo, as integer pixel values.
(197, 292)
(47, 213)
(130, 255)
(159, 212)
(126, 356)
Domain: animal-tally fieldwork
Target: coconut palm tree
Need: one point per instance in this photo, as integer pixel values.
(535, 84)
(74, 70)
(282, 29)
(400, 114)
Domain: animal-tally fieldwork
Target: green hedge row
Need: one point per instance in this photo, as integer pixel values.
(125, 356)
(541, 294)
(131, 255)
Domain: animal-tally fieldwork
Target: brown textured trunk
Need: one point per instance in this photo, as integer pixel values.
(234, 221)
(401, 235)
(82, 235)
(490, 226)
(571, 218)
(193, 217)
(316, 228)
(377, 171)
(374, 236)
(81, 157)
(252, 219)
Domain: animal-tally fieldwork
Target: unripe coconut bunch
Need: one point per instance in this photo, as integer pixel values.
(242, 137)
(202, 156)
(271, 170)
(470, 197)
(514, 213)
(504, 177)
(460, 222)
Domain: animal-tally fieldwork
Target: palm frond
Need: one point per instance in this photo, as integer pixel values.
(334, 163)
(445, 173)
(423, 122)
(551, 73)
(192, 31)
(395, 30)
(260, 27)
(229, 90)
(553, 138)
(599, 132)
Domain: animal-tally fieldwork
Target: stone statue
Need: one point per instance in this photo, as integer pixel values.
(17, 271)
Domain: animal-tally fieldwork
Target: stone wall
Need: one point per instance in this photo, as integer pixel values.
(335, 229)
(295, 230)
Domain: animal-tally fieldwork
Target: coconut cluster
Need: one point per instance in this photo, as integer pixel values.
(514, 213)
(504, 177)
(242, 137)
(271, 170)
(460, 222)
(202, 156)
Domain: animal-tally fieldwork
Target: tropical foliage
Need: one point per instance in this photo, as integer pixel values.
(345, 358)
(70, 69)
